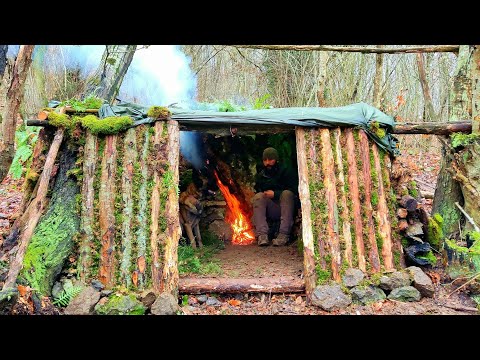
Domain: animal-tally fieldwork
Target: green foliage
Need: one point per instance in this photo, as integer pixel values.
(226, 106)
(199, 261)
(90, 102)
(106, 126)
(412, 189)
(67, 295)
(156, 112)
(25, 139)
(461, 139)
(429, 257)
(261, 102)
(185, 300)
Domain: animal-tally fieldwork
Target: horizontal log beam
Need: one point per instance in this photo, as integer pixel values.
(243, 285)
(361, 49)
(430, 128)
(433, 128)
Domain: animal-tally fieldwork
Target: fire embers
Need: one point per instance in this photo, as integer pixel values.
(242, 233)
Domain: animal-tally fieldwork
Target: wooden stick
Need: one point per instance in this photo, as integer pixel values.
(304, 194)
(34, 211)
(468, 217)
(463, 285)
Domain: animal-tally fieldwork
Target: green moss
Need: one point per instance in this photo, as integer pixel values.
(404, 242)
(60, 120)
(461, 139)
(106, 126)
(51, 243)
(374, 199)
(412, 189)
(450, 215)
(156, 112)
(397, 256)
(121, 305)
(323, 276)
(375, 278)
(377, 129)
(434, 232)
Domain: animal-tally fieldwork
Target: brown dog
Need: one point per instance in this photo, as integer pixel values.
(190, 210)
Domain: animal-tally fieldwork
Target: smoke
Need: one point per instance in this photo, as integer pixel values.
(192, 149)
(159, 75)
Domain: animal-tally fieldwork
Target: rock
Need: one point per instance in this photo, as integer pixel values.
(57, 290)
(352, 277)
(8, 298)
(330, 297)
(414, 230)
(394, 280)
(405, 294)
(104, 293)
(202, 298)
(97, 285)
(211, 301)
(148, 298)
(165, 304)
(120, 305)
(367, 295)
(83, 303)
(421, 281)
(221, 229)
(419, 249)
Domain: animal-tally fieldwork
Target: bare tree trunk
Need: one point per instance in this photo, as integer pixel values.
(322, 74)
(15, 97)
(476, 90)
(448, 191)
(362, 49)
(3, 59)
(429, 111)
(114, 65)
(377, 82)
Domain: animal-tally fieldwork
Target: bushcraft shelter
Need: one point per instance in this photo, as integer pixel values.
(108, 195)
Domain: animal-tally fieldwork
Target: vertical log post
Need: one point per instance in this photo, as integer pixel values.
(304, 194)
(155, 206)
(331, 198)
(173, 232)
(382, 215)
(346, 226)
(107, 212)
(365, 155)
(476, 90)
(86, 220)
(353, 185)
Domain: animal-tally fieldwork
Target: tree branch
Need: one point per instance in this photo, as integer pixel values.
(365, 50)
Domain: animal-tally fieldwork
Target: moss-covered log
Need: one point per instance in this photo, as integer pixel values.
(34, 210)
(344, 213)
(173, 231)
(304, 194)
(331, 199)
(355, 199)
(107, 212)
(86, 233)
(382, 215)
(367, 205)
(53, 240)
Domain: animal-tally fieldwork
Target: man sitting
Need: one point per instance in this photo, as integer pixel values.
(276, 188)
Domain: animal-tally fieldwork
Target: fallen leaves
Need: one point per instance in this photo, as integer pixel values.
(234, 302)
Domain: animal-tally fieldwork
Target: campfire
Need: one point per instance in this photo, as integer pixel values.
(241, 229)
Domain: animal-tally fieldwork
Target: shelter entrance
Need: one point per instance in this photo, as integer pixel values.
(219, 170)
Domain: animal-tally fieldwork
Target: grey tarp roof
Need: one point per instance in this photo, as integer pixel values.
(357, 115)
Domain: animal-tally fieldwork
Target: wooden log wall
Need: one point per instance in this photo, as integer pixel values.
(344, 181)
(129, 228)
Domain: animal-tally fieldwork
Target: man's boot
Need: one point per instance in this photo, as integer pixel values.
(280, 240)
(262, 240)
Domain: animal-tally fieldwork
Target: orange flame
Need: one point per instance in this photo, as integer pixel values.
(242, 233)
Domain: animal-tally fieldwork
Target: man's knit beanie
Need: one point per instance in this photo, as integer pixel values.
(270, 153)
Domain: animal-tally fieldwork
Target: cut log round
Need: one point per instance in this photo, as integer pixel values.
(402, 213)
(402, 225)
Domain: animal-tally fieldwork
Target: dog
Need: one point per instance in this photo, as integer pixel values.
(190, 212)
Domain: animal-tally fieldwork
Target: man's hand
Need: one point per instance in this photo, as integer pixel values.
(269, 194)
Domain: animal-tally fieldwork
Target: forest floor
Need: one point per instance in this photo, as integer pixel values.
(254, 261)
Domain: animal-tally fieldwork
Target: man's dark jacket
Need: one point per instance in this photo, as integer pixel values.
(279, 178)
